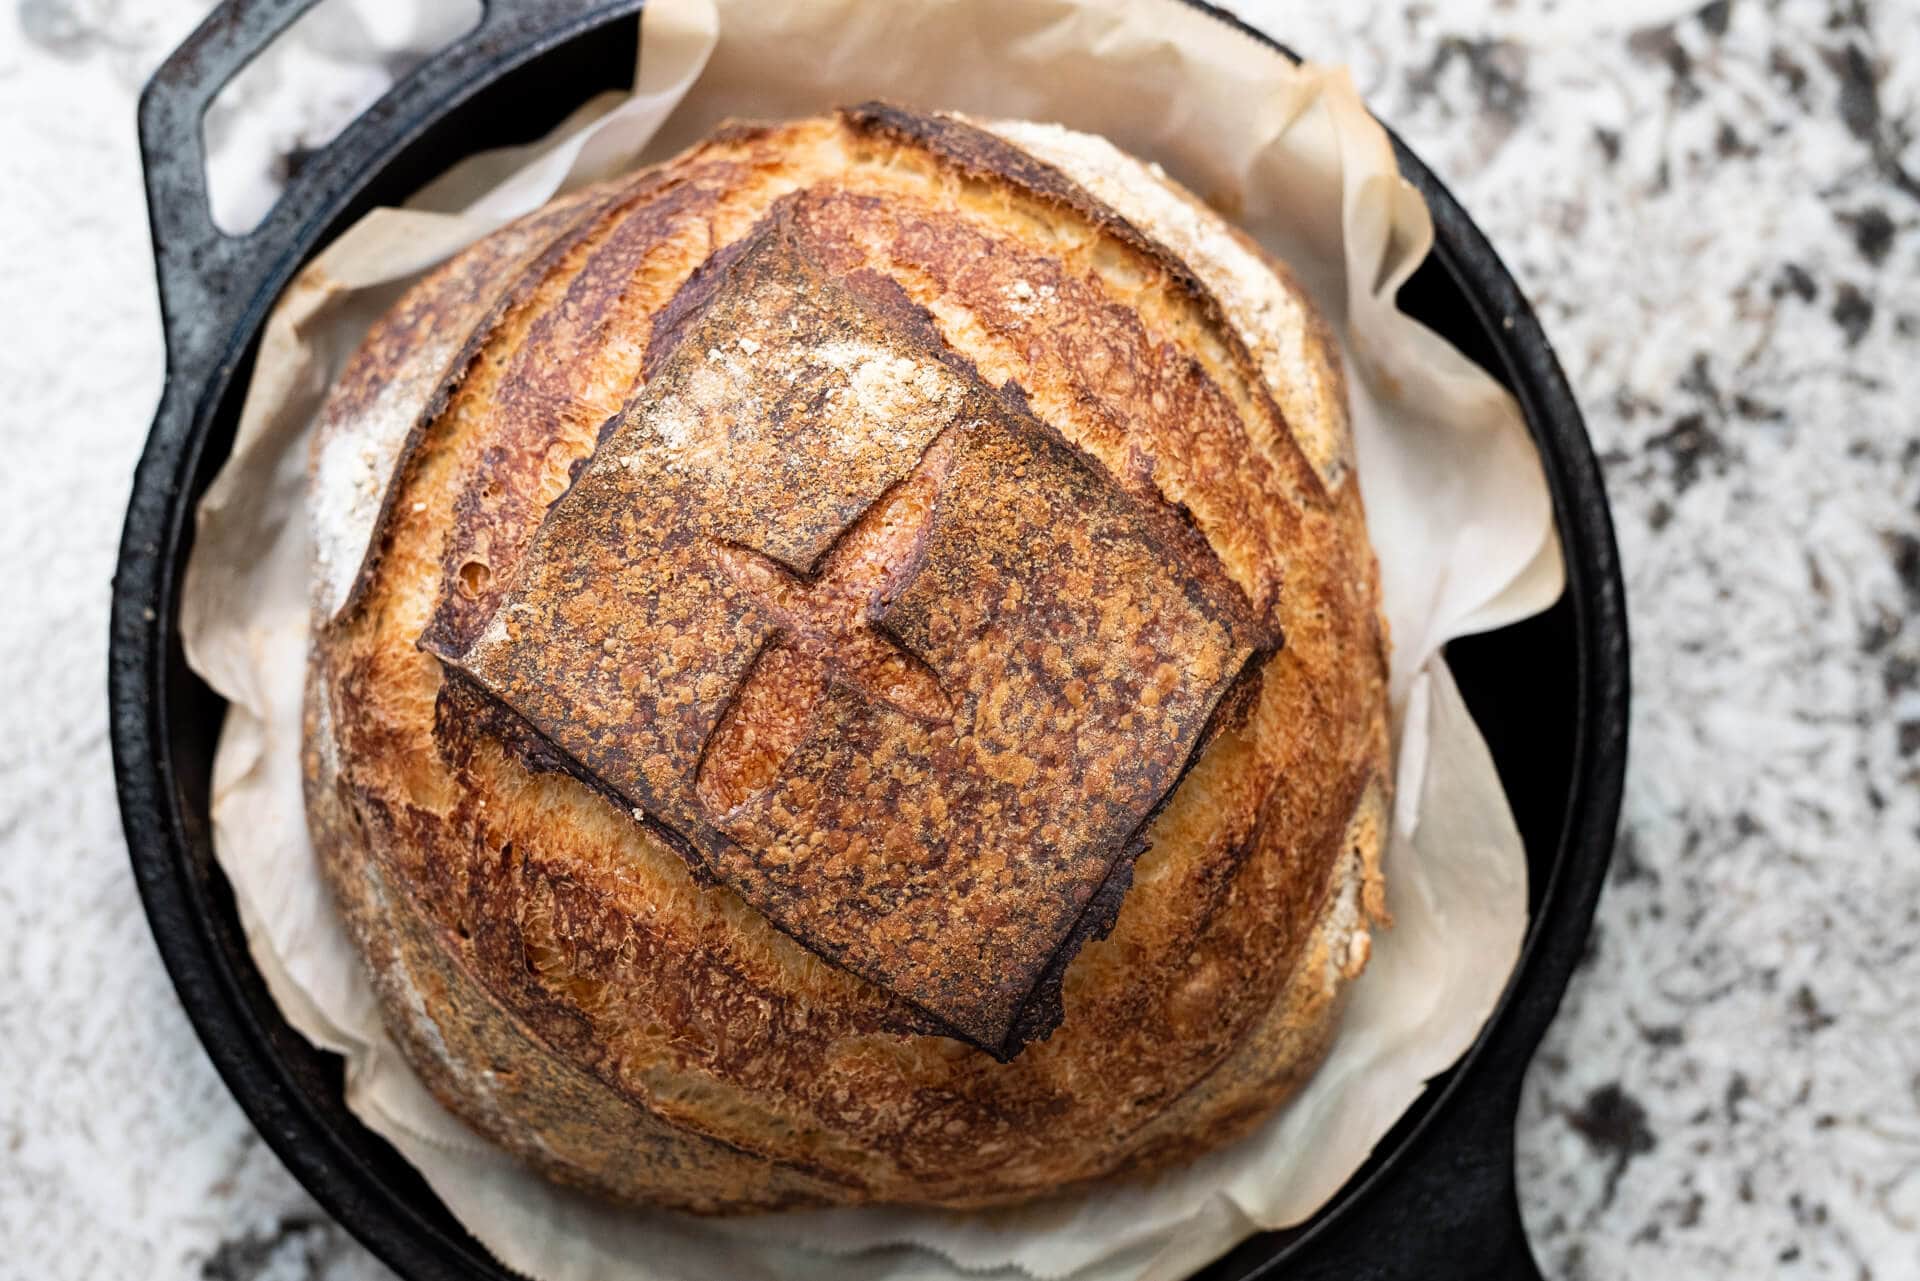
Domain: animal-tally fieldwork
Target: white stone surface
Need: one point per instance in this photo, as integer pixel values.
(1715, 213)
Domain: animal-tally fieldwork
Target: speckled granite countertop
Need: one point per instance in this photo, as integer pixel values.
(1715, 213)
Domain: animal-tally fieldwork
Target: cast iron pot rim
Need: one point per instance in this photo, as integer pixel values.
(145, 621)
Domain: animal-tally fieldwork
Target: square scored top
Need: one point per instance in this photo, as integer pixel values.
(867, 642)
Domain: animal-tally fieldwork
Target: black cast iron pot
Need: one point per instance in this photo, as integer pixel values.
(1437, 1198)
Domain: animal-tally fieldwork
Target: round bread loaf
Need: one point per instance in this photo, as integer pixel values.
(865, 683)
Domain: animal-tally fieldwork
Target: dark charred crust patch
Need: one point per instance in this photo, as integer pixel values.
(1016, 397)
(1042, 1012)
(1235, 707)
(465, 711)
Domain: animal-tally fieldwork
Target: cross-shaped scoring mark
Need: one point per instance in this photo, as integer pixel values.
(827, 634)
(913, 700)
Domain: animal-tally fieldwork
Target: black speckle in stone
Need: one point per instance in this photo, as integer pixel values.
(1795, 280)
(1627, 865)
(1497, 69)
(1859, 90)
(1909, 738)
(1899, 675)
(1756, 411)
(1816, 580)
(1659, 44)
(1690, 443)
(1872, 232)
(1728, 143)
(1809, 1015)
(1630, 406)
(1659, 515)
(302, 1240)
(1714, 16)
(1791, 74)
(1860, 112)
(1738, 1091)
(1904, 549)
(1852, 311)
(1663, 1036)
(1698, 381)
(1878, 634)
(1609, 142)
(1852, 13)
(1614, 1123)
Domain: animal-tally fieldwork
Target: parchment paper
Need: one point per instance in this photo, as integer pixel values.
(1455, 499)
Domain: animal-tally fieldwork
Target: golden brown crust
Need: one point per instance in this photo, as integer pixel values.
(924, 709)
(671, 1040)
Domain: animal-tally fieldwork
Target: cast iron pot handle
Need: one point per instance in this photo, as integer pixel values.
(210, 281)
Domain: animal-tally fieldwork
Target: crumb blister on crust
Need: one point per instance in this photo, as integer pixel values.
(632, 1026)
